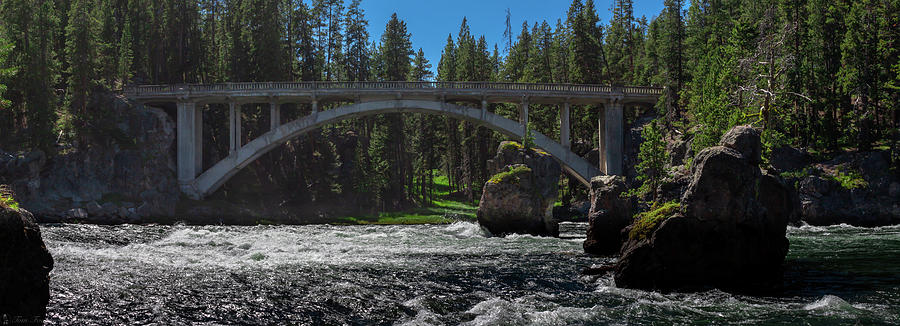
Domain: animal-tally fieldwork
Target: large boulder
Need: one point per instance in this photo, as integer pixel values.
(510, 203)
(519, 197)
(725, 233)
(544, 168)
(610, 213)
(25, 266)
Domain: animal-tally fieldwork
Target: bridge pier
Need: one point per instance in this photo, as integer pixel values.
(564, 137)
(275, 115)
(523, 119)
(234, 127)
(612, 138)
(190, 142)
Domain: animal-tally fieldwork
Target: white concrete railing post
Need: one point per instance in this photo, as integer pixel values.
(190, 141)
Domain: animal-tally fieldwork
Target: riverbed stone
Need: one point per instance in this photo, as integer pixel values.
(610, 213)
(519, 197)
(724, 235)
(25, 266)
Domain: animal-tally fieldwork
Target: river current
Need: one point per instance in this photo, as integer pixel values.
(432, 275)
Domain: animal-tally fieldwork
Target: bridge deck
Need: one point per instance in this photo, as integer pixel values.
(263, 92)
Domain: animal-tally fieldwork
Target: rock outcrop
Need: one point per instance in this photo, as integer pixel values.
(853, 188)
(726, 234)
(25, 265)
(610, 213)
(126, 173)
(520, 197)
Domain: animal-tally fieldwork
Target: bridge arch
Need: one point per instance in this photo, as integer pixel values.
(212, 179)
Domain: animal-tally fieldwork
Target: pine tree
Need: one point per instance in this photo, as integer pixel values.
(859, 70)
(81, 50)
(5, 72)
(672, 56)
(125, 57)
(261, 32)
(620, 42)
(357, 56)
(389, 141)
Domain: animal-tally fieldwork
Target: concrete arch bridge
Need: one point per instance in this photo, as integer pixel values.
(370, 98)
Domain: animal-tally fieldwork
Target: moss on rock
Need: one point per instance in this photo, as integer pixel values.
(646, 222)
(512, 175)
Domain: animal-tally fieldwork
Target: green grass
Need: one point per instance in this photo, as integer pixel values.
(443, 210)
(647, 222)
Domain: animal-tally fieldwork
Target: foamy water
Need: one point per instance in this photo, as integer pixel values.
(431, 275)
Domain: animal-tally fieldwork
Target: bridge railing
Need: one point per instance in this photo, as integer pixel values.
(387, 85)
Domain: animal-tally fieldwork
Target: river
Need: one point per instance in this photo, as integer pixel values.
(432, 275)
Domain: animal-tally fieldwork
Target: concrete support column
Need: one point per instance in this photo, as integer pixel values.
(523, 118)
(189, 142)
(564, 137)
(234, 127)
(275, 115)
(615, 136)
(315, 106)
(484, 108)
(601, 136)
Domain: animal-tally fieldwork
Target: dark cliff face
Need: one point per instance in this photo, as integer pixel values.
(25, 266)
(122, 171)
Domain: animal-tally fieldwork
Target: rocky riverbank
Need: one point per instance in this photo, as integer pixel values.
(25, 266)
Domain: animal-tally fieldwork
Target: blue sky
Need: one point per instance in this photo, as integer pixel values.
(431, 21)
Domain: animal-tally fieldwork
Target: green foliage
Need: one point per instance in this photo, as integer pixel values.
(652, 158)
(511, 146)
(798, 174)
(5, 70)
(6, 198)
(646, 222)
(849, 179)
(528, 140)
(82, 52)
(511, 175)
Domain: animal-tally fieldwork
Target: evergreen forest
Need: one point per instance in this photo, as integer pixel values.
(816, 74)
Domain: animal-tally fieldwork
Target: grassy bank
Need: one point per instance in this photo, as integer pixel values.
(443, 210)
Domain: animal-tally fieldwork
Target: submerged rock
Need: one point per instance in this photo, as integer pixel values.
(610, 213)
(520, 197)
(726, 233)
(25, 266)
